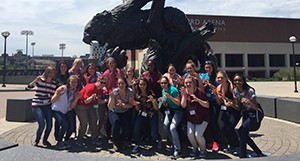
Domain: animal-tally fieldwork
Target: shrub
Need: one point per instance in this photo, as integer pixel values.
(287, 74)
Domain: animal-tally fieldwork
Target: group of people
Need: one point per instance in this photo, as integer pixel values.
(208, 105)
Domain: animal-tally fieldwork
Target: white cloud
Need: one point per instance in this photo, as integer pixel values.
(63, 21)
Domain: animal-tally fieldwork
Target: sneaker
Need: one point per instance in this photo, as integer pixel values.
(46, 143)
(135, 149)
(202, 153)
(170, 148)
(97, 142)
(80, 143)
(160, 144)
(215, 147)
(256, 155)
(61, 145)
(36, 143)
(176, 154)
(193, 153)
(67, 144)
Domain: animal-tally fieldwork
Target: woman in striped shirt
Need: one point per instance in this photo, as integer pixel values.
(41, 105)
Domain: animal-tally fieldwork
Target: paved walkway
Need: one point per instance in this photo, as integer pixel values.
(275, 137)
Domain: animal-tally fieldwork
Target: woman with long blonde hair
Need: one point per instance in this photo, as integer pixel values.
(41, 104)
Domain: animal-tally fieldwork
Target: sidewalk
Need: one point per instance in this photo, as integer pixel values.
(278, 138)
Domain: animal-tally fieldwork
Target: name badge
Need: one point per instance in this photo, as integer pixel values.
(96, 106)
(192, 112)
(45, 101)
(144, 114)
(167, 112)
(223, 107)
(208, 94)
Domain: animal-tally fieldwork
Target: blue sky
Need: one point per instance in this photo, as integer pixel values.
(54, 22)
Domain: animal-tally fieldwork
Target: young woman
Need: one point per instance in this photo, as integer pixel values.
(111, 73)
(230, 114)
(190, 68)
(153, 75)
(119, 116)
(173, 113)
(63, 101)
(90, 74)
(245, 98)
(175, 79)
(146, 105)
(91, 97)
(62, 74)
(194, 100)
(130, 77)
(41, 105)
(78, 69)
(209, 86)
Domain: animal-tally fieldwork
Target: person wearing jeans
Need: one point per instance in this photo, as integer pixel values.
(245, 99)
(173, 113)
(119, 115)
(41, 105)
(63, 102)
(146, 105)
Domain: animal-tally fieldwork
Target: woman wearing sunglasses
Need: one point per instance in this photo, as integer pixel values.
(173, 114)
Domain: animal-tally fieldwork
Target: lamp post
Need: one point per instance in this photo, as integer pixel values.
(293, 39)
(27, 33)
(62, 46)
(5, 34)
(32, 44)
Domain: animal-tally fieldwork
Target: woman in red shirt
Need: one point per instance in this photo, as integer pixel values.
(91, 97)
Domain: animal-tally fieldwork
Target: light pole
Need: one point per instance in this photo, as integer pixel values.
(5, 34)
(62, 46)
(32, 44)
(293, 39)
(27, 33)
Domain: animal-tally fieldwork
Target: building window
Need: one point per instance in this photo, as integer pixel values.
(218, 56)
(297, 60)
(256, 60)
(256, 74)
(277, 60)
(234, 60)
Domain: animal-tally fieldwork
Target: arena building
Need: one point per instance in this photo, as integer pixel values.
(257, 46)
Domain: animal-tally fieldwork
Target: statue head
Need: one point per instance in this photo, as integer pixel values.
(98, 28)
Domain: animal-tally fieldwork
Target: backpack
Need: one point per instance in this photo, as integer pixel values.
(256, 116)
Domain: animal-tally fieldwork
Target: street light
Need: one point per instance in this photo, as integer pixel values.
(32, 44)
(293, 39)
(62, 47)
(26, 33)
(5, 34)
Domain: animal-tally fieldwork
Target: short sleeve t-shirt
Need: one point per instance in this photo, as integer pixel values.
(195, 112)
(173, 92)
(129, 94)
(250, 94)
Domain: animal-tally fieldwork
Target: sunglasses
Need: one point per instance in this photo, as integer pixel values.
(102, 82)
(208, 62)
(163, 82)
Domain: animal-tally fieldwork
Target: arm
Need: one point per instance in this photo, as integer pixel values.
(183, 97)
(32, 84)
(90, 99)
(200, 101)
(59, 91)
(175, 100)
(111, 101)
(76, 98)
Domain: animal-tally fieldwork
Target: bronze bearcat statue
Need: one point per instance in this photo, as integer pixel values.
(165, 31)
